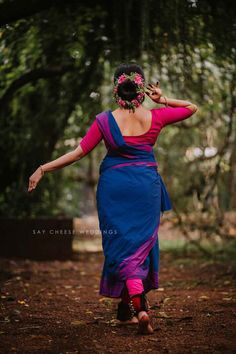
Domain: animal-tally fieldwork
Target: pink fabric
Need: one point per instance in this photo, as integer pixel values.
(92, 138)
(170, 115)
(134, 286)
(160, 118)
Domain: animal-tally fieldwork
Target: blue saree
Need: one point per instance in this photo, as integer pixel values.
(130, 198)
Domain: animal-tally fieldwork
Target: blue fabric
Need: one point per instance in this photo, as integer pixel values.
(130, 198)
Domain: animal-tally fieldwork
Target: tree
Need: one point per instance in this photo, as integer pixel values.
(55, 53)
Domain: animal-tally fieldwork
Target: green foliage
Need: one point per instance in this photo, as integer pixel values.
(51, 61)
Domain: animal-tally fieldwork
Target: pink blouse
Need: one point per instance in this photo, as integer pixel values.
(160, 118)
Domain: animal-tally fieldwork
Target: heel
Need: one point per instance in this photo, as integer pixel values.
(144, 326)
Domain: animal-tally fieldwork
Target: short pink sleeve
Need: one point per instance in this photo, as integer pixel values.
(169, 115)
(92, 138)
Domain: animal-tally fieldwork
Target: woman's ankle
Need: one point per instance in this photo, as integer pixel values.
(138, 303)
(141, 314)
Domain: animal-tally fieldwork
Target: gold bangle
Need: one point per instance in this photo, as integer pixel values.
(42, 171)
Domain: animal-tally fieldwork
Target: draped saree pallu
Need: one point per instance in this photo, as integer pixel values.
(130, 198)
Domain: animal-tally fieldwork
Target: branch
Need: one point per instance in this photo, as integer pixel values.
(31, 76)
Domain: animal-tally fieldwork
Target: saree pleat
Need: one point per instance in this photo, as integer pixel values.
(130, 198)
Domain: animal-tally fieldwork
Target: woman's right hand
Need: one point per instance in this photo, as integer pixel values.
(34, 179)
(154, 92)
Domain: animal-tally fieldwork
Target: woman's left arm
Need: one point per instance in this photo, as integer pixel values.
(172, 102)
(175, 110)
(155, 93)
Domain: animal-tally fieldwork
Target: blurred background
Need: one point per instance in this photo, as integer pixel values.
(57, 60)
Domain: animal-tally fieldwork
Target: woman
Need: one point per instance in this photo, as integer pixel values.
(130, 193)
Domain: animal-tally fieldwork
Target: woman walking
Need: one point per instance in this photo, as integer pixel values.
(130, 193)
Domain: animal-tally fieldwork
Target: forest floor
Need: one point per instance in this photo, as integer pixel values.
(54, 307)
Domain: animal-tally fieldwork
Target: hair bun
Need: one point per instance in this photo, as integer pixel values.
(129, 86)
(127, 90)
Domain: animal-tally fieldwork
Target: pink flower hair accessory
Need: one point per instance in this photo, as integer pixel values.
(140, 89)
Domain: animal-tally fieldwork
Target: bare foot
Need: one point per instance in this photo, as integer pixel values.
(144, 326)
(133, 320)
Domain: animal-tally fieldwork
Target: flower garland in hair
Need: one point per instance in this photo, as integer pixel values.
(139, 82)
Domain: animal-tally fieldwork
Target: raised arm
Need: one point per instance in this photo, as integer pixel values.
(155, 93)
(88, 143)
(172, 102)
(175, 110)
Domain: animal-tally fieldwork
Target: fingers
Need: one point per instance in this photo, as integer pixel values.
(152, 89)
(152, 86)
(32, 186)
(148, 92)
(153, 92)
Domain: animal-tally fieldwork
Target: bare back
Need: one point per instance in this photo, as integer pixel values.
(133, 124)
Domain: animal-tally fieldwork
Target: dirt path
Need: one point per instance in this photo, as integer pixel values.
(54, 307)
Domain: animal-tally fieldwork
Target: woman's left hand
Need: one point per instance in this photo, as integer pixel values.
(154, 92)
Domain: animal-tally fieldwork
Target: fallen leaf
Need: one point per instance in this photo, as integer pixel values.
(16, 312)
(163, 314)
(204, 297)
(155, 307)
(22, 302)
(160, 289)
(227, 282)
(29, 327)
(106, 301)
(166, 299)
(154, 339)
(78, 323)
